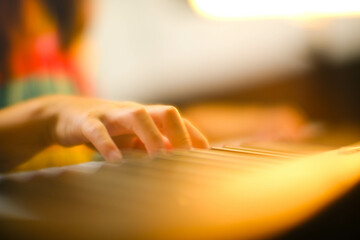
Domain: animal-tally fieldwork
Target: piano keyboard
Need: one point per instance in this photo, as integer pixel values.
(223, 193)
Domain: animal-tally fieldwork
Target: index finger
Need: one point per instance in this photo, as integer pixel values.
(95, 132)
(136, 120)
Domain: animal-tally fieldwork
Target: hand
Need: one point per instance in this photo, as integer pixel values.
(106, 125)
(110, 126)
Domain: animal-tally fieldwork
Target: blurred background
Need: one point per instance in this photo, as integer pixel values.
(151, 50)
(261, 69)
(304, 54)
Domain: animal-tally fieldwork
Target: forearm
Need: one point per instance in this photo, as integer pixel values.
(24, 131)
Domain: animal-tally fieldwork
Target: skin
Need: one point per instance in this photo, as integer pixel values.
(30, 127)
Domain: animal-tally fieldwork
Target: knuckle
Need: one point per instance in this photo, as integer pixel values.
(171, 111)
(91, 128)
(139, 112)
(92, 115)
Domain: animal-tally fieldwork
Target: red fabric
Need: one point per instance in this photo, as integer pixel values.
(45, 56)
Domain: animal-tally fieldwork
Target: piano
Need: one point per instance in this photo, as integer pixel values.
(226, 192)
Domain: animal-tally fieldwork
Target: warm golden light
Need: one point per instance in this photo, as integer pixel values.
(234, 9)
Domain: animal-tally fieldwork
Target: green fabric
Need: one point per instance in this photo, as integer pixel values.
(21, 89)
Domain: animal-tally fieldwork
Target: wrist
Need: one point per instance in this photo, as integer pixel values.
(25, 130)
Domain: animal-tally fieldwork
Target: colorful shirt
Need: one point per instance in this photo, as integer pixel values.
(41, 68)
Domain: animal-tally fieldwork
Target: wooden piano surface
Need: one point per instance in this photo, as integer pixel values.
(223, 193)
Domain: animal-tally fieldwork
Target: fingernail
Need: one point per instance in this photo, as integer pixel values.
(114, 157)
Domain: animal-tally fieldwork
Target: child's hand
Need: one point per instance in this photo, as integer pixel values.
(29, 127)
(110, 126)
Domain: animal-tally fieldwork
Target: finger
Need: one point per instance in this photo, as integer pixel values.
(137, 121)
(171, 124)
(97, 134)
(197, 138)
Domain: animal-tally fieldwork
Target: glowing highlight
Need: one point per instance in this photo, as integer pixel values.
(234, 9)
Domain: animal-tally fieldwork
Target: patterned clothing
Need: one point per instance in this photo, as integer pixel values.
(42, 68)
